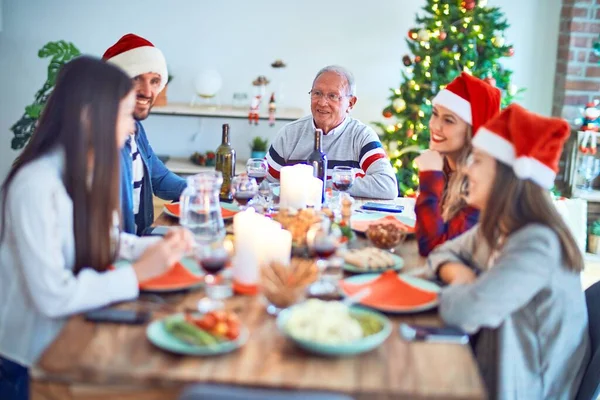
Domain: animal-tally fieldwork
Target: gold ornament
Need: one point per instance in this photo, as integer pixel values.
(423, 35)
(399, 104)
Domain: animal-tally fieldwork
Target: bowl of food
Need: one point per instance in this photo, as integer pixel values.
(331, 328)
(385, 235)
(285, 285)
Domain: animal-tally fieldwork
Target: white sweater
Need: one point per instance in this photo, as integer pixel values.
(37, 287)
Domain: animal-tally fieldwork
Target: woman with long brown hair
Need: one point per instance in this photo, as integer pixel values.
(514, 277)
(458, 111)
(59, 224)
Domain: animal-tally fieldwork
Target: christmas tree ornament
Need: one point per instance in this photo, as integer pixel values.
(410, 133)
(443, 35)
(387, 113)
(468, 4)
(417, 59)
(399, 104)
(510, 52)
(406, 60)
(423, 35)
(499, 40)
(589, 126)
(412, 34)
(512, 89)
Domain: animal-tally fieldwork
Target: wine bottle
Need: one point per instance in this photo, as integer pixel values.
(225, 162)
(318, 159)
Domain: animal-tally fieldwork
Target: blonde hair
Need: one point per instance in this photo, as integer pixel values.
(453, 199)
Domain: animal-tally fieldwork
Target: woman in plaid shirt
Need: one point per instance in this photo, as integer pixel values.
(458, 111)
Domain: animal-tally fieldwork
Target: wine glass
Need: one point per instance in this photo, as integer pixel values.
(342, 178)
(213, 258)
(243, 188)
(589, 170)
(324, 239)
(257, 169)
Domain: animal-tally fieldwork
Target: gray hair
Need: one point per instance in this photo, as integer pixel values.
(341, 71)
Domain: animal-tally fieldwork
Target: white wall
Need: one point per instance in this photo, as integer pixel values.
(240, 39)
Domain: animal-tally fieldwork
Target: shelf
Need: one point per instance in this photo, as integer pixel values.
(589, 195)
(223, 111)
(184, 166)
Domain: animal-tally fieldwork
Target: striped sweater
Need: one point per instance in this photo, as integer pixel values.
(352, 144)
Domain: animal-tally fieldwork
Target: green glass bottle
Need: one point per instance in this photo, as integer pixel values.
(225, 163)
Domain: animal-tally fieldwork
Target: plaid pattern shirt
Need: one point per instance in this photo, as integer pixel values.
(431, 230)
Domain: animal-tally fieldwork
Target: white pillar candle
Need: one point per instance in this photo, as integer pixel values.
(294, 180)
(245, 262)
(281, 243)
(315, 193)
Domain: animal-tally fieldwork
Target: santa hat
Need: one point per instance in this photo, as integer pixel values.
(136, 56)
(528, 142)
(472, 99)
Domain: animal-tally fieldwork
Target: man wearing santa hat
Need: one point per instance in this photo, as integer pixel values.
(142, 173)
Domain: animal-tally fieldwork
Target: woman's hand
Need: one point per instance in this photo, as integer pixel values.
(430, 160)
(161, 256)
(456, 274)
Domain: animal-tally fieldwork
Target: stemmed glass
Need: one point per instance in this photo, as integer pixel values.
(257, 169)
(213, 258)
(324, 239)
(243, 188)
(342, 178)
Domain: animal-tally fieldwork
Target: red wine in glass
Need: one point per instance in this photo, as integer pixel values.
(243, 198)
(342, 185)
(325, 249)
(213, 264)
(258, 175)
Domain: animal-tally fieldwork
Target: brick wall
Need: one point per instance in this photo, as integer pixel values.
(577, 79)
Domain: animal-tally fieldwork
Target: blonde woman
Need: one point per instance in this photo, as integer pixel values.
(514, 277)
(458, 111)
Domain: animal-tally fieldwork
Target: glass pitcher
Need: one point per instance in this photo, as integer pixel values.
(200, 210)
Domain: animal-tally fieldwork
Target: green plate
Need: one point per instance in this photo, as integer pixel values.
(361, 345)
(357, 270)
(158, 336)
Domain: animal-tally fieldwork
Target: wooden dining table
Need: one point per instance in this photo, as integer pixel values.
(114, 361)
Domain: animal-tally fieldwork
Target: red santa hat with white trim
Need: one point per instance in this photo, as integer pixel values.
(473, 100)
(530, 143)
(136, 56)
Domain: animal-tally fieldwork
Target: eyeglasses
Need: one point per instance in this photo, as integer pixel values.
(332, 97)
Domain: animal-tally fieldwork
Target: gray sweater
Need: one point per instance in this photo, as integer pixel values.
(528, 308)
(352, 144)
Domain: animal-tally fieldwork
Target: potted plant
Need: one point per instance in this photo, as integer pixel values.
(594, 238)
(59, 53)
(258, 147)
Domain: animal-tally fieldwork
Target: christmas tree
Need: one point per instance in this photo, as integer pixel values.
(452, 36)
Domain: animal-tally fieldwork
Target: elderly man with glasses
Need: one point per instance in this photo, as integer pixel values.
(346, 141)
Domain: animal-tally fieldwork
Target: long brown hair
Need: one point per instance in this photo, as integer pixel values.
(514, 203)
(453, 199)
(80, 118)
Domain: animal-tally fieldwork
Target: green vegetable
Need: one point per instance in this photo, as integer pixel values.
(189, 333)
(369, 324)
